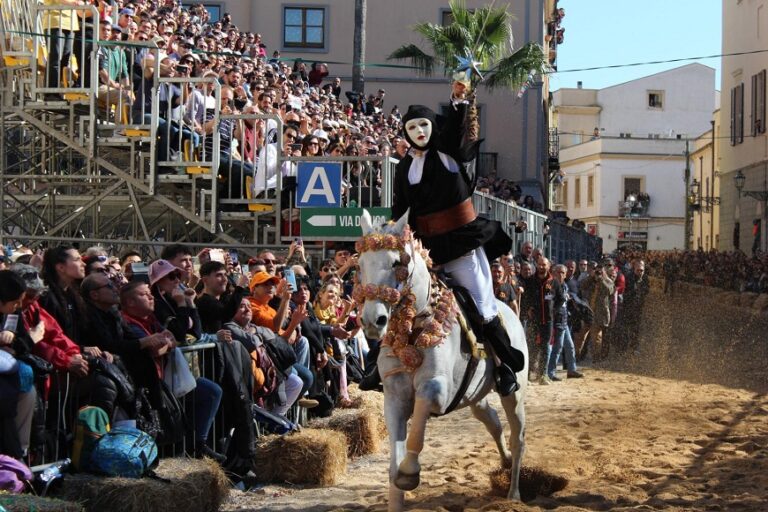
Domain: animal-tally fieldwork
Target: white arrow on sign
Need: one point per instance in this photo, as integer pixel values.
(324, 221)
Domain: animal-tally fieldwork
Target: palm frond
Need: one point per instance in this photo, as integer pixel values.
(423, 62)
(460, 14)
(513, 71)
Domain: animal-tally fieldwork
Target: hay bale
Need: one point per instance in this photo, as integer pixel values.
(761, 302)
(312, 456)
(361, 427)
(747, 299)
(372, 400)
(196, 485)
(533, 482)
(27, 502)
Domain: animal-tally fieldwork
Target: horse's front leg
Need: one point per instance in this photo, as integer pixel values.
(407, 477)
(397, 410)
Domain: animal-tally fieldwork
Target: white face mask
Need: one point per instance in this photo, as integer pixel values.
(419, 130)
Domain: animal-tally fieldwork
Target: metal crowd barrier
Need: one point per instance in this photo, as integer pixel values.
(509, 215)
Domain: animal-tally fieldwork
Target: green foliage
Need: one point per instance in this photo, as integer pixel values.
(484, 33)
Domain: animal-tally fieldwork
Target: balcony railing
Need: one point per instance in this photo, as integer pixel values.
(635, 208)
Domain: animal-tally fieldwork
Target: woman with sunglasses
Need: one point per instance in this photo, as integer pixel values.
(310, 146)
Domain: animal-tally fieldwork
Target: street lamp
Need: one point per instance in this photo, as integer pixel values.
(739, 181)
(693, 194)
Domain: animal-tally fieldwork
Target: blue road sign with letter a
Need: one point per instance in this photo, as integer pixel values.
(318, 185)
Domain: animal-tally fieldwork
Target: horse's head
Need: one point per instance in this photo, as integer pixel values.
(385, 264)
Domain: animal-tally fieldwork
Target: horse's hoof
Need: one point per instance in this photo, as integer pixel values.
(406, 482)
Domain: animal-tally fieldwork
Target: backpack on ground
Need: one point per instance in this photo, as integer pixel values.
(126, 452)
(14, 475)
(91, 425)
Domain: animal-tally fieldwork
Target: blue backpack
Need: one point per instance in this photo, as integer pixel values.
(124, 451)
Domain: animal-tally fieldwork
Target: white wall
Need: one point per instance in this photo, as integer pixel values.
(689, 100)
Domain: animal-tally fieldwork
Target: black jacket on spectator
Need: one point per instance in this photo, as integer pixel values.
(234, 376)
(66, 312)
(211, 312)
(179, 320)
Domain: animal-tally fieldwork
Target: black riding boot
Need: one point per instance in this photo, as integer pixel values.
(372, 380)
(512, 360)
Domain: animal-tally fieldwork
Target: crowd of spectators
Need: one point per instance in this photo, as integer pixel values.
(508, 191)
(579, 311)
(317, 118)
(94, 328)
(729, 270)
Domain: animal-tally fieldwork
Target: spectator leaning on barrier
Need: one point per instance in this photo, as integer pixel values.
(16, 377)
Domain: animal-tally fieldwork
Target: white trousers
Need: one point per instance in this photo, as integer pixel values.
(473, 272)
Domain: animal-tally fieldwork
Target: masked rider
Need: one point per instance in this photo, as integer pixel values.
(432, 181)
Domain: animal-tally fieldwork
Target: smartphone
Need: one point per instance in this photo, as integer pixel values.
(234, 257)
(140, 272)
(296, 147)
(196, 265)
(291, 278)
(298, 241)
(216, 255)
(373, 151)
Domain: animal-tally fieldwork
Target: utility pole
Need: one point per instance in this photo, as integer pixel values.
(688, 216)
(358, 50)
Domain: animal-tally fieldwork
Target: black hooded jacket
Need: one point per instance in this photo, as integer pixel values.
(441, 189)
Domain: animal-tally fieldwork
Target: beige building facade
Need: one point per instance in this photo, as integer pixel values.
(704, 189)
(744, 147)
(515, 128)
(622, 155)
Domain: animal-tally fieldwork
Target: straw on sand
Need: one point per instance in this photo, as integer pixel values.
(195, 485)
(312, 456)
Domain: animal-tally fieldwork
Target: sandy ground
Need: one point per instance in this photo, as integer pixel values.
(682, 426)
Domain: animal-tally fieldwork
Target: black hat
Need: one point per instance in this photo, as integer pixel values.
(417, 111)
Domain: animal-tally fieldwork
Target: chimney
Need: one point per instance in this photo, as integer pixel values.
(579, 84)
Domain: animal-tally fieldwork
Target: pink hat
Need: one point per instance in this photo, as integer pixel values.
(159, 269)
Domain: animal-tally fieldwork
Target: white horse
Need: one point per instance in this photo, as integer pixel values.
(430, 387)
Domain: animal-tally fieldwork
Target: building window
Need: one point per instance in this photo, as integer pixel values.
(590, 190)
(758, 103)
(656, 100)
(737, 115)
(304, 27)
(577, 192)
(632, 186)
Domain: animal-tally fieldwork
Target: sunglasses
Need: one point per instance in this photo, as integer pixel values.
(108, 285)
(269, 261)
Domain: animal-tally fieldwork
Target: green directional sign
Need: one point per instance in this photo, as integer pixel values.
(338, 223)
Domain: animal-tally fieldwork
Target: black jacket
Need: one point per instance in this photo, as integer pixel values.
(440, 189)
(179, 320)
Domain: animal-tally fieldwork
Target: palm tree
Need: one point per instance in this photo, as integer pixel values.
(483, 35)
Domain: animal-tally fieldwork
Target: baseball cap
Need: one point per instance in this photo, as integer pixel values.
(261, 278)
(159, 269)
(128, 11)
